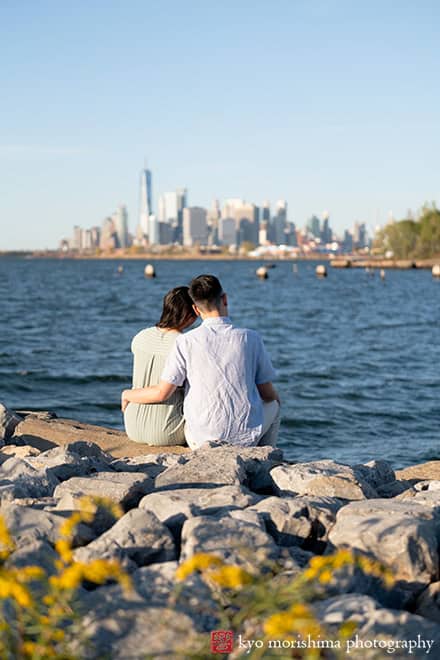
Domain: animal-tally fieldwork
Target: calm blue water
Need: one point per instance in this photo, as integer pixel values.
(358, 359)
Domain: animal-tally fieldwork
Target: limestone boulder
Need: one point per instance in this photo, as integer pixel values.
(35, 553)
(25, 479)
(375, 473)
(428, 602)
(28, 524)
(303, 521)
(380, 631)
(74, 460)
(8, 423)
(421, 472)
(150, 464)
(235, 541)
(258, 462)
(136, 539)
(125, 488)
(19, 451)
(155, 586)
(324, 478)
(175, 506)
(209, 469)
(402, 536)
(129, 634)
(394, 488)
(286, 520)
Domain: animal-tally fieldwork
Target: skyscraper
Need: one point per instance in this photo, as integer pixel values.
(153, 230)
(170, 211)
(120, 221)
(145, 201)
(195, 229)
(280, 223)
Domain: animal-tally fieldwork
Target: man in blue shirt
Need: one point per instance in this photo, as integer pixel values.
(227, 375)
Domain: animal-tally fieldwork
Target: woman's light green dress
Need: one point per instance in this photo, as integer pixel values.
(158, 424)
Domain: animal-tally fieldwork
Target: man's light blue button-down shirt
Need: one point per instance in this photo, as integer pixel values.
(220, 367)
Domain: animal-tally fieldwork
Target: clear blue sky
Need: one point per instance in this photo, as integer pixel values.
(329, 104)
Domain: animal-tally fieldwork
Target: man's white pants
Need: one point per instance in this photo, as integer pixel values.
(271, 423)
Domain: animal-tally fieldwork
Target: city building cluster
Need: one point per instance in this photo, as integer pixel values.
(235, 225)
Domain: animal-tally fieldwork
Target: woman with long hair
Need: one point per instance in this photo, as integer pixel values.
(159, 424)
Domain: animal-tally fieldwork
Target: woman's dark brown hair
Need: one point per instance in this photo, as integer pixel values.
(177, 309)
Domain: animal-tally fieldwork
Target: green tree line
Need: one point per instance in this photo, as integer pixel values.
(409, 238)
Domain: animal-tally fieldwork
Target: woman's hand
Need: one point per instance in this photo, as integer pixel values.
(124, 399)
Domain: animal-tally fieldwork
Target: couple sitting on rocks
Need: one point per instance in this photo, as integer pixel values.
(221, 374)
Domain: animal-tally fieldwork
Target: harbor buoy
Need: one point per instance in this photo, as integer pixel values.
(321, 271)
(149, 271)
(262, 273)
(295, 269)
(120, 270)
(436, 270)
(382, 274)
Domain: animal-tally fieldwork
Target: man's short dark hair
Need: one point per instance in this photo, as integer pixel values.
(206, 292)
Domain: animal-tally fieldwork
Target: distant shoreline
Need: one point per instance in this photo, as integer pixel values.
(340, 261)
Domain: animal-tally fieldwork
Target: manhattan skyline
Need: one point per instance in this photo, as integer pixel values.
(329, 105)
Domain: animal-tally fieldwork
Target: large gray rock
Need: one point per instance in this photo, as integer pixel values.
(325, 478)
(428, 602)
(137, 539)
(74, 460)
(257, 461)
(36, 553)
(375, 473)
(286, 519)
(379, 631)
(299, 520)
(19, 451)
(394, 488)
(28, 524)
(209, 469)
(146, 632)
(8, 422)
(25, 479)
(125, 488)
(403, 536)
(150, 464)
(155, 586)
(235, 541)
(175, 506)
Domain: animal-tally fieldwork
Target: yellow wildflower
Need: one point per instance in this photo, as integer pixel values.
(58, 635)
(318, 562)
(347, 629)
(301, 610)
(199, 562)
(299, 619)
(30, 573)
(342, 558)
(10, 588)
(325, 576)
(29, 649)
(70, 578)
(230, 577)
(5, 540)
(63, 547)
(90, 505)
(280, 624)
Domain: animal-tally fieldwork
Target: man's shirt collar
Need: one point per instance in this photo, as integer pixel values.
(217, 320)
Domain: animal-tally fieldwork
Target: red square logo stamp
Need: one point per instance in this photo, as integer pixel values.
(222, 641)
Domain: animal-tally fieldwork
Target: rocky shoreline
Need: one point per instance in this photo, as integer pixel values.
(245, 505)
